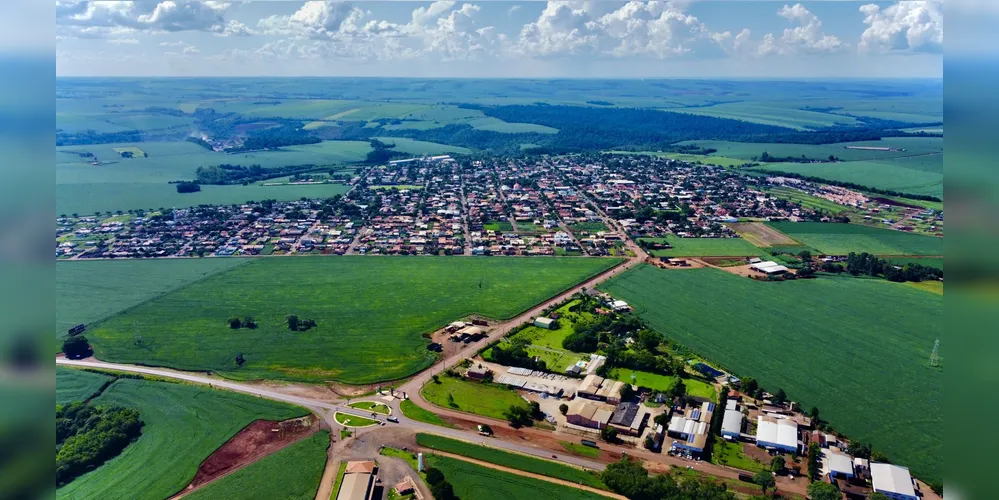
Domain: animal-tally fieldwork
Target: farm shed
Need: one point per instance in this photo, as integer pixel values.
(769, 267)
(587, 414)
(777, 433)
(543, 322)
(477, 372)
(893, 481)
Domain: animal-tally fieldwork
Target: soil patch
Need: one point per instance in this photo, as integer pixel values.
(886, 201)
(260, 438)
(761, 234)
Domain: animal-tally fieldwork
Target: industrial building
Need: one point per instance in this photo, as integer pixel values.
(777, 433)
(732, 423)
(588, 414)
(691, 428)
(358, 481)
(629, 419)
(769, 267)
(894, 481)
(597, 388)
(837, 465)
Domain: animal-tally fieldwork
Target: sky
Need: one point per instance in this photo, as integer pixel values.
(520, 39)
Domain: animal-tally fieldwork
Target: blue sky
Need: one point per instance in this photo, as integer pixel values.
(500, 38)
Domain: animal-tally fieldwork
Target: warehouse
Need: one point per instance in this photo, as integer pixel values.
(777, 433)
(732, 423)
(837, 465)
(588, 414)
(599, 389)
(893, 481)
(691, 428)
(629, 419)
(769, 267)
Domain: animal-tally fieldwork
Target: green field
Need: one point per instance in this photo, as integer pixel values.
(502, 225)
(473, 481)
(371, 406)
(353, 421)
(511, 460)
(410, 410)
(705, 247)
(654, 381)
(415, 147)
(77, 385)
(769, 113)
(547, 344)
(578, 449)
(480, 398)
(590, 227)
(184, 424)
(913, 175)
(291, 473)
(866, 363)
(88, 291)
(841, 239)
(806, 200)
(748, 150)
(370, 312)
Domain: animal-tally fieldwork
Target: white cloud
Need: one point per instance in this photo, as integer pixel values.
(123, 41)
(807, 37)
(915, 26)
(562, 28)
(93, 19)
(236, 28)
(512, 9)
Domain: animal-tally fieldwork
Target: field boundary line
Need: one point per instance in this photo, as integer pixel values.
(518, 472)
(511, 452)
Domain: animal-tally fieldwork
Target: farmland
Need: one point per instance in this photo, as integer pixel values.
(807, 201)
(369, 314)
(705, 247)
(862, 355)
(90, 291)
(937, 262)
(482, 483)
(761, 235)
(488, 400)
(749, 151)
(841, 239)
(913, 175)
(768, 114)
(183, 425)
(291, 473)
(414, 147)
(77, 385)
(511, 460)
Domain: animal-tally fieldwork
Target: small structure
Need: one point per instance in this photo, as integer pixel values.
(620, 306)
(406, 486)
(543, 322)
(588, 414)
(477, 372)
(777, 433)
(358, 481)
(598, 388)
(893, 481)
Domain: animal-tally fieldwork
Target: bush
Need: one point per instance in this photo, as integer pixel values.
(434, 476)
(563, 408)
(76, 347)
(188, 187)
(235, 323)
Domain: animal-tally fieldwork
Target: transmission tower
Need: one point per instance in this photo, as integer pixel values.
(935, 355)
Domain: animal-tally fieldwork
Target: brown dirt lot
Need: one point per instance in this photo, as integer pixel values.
(761, 234)
(260, 438)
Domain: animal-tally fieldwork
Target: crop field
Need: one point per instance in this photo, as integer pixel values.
(88, 291)
(841, 239)
(771, 114)
(511, 460)
(748, 151)
(415, 147)
(866, 364)
(705, 247)
(370, 313)
(291, 473)
(936, 287)
(912, 175)
(482, 483)
(807, 201)
(77, 385)
(480, 398)
(184, 424)
(761, 235)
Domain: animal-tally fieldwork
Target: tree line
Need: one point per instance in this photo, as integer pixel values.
(871, 265)
(87, 436)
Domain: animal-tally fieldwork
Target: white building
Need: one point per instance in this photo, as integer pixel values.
(732, 422)
(777, 433)
(893, 481)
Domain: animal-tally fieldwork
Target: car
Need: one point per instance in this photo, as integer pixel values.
(393, 420)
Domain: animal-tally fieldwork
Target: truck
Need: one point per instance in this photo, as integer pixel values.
(393, 420)
(587, 442)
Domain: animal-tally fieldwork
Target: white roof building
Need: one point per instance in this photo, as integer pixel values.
(779, 433)
(732, 424)
(893, 480)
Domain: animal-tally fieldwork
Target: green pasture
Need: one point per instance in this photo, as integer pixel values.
(511, 460)
(921, 175)
(88, 291)
(749, 150)
(841, 239)
(77, 385)
(482, 483)
(724, 452)
(829, 342)
(480, 398)
(184, 424)
(705, 247)
(370, 312)
(291, 473)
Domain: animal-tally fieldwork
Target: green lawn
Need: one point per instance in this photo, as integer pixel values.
(480, 398)
(291, 473)
(503, 225)
(578, 449)
(700, 388)
(654, 381)
(841, 239)
(410, 410)
(705, 247)
(863, 346)
(370, 313)
(511, 460)
(472, 481)
(339, 479)
(728, 453)
(352, 421)
(184, 424)
(87, 291)
(77, 385)
(590, 227)
(371, 406)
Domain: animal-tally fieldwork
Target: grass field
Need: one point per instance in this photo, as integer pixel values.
(370, 312)
(705, 247)
(184, 424)
(905, 146)
(410, 410)
(354, 421)
(654, 381)
(728, 453)
(771, 114)
(578, 449)
(90, 291)
(761, 235)
(341, 471)
(841, 239)
(590, 227)
(482, 483)
(912, 175)
(371, 406)
(77, 385)
(511, 460)
(806, 200)
(936, 287)
(291, 473)
(502, 225)
(866, 364)
(480, 398)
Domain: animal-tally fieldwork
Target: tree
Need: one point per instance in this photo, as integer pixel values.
(750, 386)
(813, 461)
(649, 340)
(777, 464)
(609, 434)
(859, 449)
(443, 491)
(188, 187)
(627, 392)
(535, 410)
(518, 416)
(877, 456)
(650, 444)
(765, 480)
(814, 414)
(249, 323)
(821, 490)
(563, 408)
(292, 322)
(235, 323)
(877, 495)
(436, 378)
(76, 347)
(780, 398)
(805, 255)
